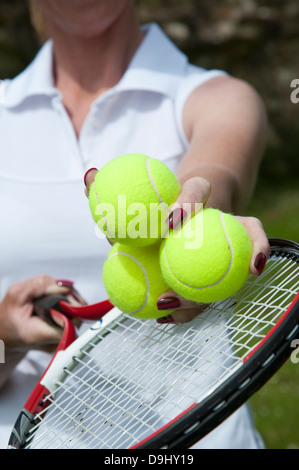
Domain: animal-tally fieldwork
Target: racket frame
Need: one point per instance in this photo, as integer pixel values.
(199, 419)
(259, 366)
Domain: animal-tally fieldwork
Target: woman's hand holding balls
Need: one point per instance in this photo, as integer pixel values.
(211, 266)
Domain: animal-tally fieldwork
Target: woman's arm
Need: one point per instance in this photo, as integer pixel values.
(226, 124)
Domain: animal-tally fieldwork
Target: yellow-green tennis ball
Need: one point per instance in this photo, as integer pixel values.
(208, 259)
(130, 198)
(133, 280)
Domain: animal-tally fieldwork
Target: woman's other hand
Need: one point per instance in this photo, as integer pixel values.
(20, 329)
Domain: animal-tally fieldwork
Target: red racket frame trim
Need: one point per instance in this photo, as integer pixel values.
(270, 333)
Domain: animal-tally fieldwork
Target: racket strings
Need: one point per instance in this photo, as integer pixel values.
(136, 376)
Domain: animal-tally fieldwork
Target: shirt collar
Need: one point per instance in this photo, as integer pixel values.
(156, 66)
(36, 79)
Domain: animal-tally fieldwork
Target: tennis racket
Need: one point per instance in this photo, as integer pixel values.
(134, 384)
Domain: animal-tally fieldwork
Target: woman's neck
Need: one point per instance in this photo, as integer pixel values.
(85, 67)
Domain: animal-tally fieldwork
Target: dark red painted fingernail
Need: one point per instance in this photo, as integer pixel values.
(90, 169)
(168, 303)
(64, 283)
(176, 218)
(167, 319)
(260, 262)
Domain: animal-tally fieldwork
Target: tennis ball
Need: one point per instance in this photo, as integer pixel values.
(130, 198)
(133, 280)
(208, 259)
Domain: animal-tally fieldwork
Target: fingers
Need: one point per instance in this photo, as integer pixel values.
(260, 244)
(19, 326)
(182, 310)
(37, 334)
(33, 331)
(26, 291)
(181, 315)
(89, 178)
(40, 333)
(194, 194)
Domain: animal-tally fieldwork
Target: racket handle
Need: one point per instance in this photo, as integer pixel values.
(49, 309)
(43, 306)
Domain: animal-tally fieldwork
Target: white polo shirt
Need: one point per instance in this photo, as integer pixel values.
(46, 226)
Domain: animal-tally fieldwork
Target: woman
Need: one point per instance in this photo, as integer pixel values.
(104, 86)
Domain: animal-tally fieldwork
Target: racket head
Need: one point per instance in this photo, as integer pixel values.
(190, 378)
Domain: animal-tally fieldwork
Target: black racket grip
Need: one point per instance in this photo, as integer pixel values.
(44, 304)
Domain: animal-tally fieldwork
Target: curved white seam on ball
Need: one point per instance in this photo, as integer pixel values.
(135, 260)
(224, 275)
(99, 204)
(154, 185)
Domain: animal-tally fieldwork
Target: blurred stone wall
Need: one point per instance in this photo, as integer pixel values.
(18, 43)
(254, 40)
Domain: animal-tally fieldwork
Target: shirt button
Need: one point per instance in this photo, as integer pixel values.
(84, 156)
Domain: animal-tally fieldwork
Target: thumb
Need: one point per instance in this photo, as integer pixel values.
(194, 194)
(260, 244)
